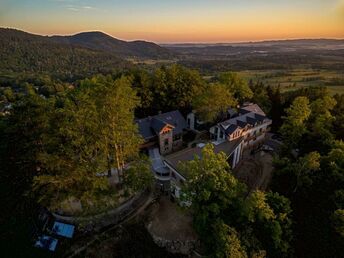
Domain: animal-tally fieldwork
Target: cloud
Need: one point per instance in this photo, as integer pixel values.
(76, 8)
(73, 9)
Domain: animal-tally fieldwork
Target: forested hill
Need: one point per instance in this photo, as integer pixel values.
(21, 52)
(101, 41)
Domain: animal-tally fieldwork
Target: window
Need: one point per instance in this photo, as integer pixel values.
(189, 122)
(166, 142)
(221, 135)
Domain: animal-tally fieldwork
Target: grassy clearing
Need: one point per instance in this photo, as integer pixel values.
(297, 78)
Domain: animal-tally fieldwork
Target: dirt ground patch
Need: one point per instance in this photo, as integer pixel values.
(129, 241)
(255, 170)
(170, 222)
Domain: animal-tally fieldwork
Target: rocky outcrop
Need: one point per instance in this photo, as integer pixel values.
(176, 246)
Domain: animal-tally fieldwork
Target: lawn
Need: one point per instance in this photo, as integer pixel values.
(297, 78)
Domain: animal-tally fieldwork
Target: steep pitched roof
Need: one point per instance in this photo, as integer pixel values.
(249, 114)
(231, 129)
(260, 118)
(241, 123)
(251, 121)
(157, 125)
(151, 126)
(254, 108)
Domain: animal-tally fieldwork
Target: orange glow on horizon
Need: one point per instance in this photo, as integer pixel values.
(212, 23)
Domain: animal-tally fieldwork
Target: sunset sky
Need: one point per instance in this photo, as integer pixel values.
(179, 20)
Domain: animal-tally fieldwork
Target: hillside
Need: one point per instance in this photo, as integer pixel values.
(24, 52)
(101, 41)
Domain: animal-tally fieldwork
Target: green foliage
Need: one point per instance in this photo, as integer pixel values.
(66, 140)
(304, 167)
(211, 188)
(333, 163)
(261, 95)
(316, 200)
(338, 199)
(338, 113)
(139, 175)
(237, 86)
(300, 173)
(211, 179)
(321, 119)
(215, 100)
(312, 93)
(229, 223)
(269, 214)
(116, 101)
(142, 81)
(72, 154)
(175, 88)
(21, 52)
(294, 125)
(8, 94)
(338, 221)
(166, 88)
(227, 242)
(258, 207)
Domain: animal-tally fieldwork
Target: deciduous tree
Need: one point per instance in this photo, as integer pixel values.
(236, 85)
(294, 123)
(213, 102)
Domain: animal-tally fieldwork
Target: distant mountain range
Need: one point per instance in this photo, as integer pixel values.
(101, 41)
(71, 56)
(300, 43)
(89, 53)
(22, 52)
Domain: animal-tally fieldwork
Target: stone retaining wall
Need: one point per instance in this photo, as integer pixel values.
(111, 217)
(185, 247)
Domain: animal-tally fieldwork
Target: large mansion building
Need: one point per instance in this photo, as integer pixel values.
(240, 129)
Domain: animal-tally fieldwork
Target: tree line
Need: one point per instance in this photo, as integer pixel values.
(310, 171)
(59, 135)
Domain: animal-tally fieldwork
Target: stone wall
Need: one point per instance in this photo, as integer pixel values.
(176, 246)
(168, 137)
(111, 217)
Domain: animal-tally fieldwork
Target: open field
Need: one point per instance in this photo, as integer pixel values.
(297, 78)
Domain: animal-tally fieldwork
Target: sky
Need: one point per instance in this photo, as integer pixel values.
(170, 21)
